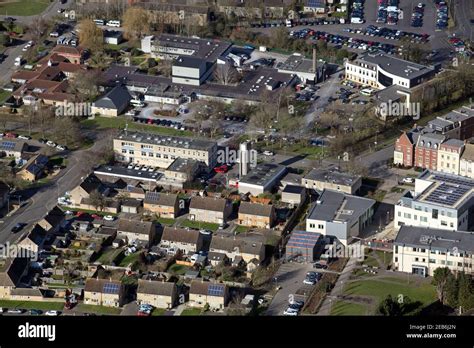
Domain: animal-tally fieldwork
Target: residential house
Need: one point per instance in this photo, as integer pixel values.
(466, 164)
(34, 240)
(11, 272)
(165, 205)
(215, 258)
(104, 292)
(449, 156)
(209, 209)
(235, 247)
(216, 295)
(256, 215)
(90, 184)
(75, 55)
(404, 153)
(26, 294)
(136, 230)
(159, 294)
(34, 168)
(12, 148)
(426, 150)
(188, 241)
(130, 205)
(53, 220)
(113, 103)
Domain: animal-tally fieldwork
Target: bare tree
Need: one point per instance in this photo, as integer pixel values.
(225, 74)
(91, 36)
(136, 22)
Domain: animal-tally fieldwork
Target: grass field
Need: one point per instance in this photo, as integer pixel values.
(23, 7)
(200, 224)
(129, 259)
(346, 308)
(425, 293)
(157, 312)
(108, 256)
(44, 306)
(98, 309)
(191, 311)
(177, 269)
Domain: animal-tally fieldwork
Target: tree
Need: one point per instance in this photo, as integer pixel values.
(465, 292)
(86, 86)
(97, 200)
(225, 74)
(441, 277)
(136, 22)
(5, 39)
(91, 36)
(37, 28)
(390, 307)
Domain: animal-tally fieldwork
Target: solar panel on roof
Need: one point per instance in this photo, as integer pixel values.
(215, 290)
(8, 145)
(110, 288)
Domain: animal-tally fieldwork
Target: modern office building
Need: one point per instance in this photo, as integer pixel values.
(340, 215)
(161, 151)
(380, 70)
(420, 250)
(332, 179)
(439, 200)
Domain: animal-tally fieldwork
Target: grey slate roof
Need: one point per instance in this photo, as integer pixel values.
(159, 198)
(155, 287)
(135, 226)
(256, 209)
(117, 98)
(180, 235)
(231, 244)
(208, 203)
(437, 239)
(338, 206)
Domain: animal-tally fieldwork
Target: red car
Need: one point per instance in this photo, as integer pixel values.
(10, 135)
(95, 216)
(221, 169)
(80, 213)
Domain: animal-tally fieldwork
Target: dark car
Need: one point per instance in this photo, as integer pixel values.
(18, 227)
(36, 312)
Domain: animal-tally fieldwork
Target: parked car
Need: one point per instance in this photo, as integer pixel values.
(109, 218)
(18, 227)
(24, 137)
(15, 311)
(36, 312)
(52, 313)
(408, 180)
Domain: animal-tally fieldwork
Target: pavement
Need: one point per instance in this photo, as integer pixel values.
(325, 308)
(463, 13)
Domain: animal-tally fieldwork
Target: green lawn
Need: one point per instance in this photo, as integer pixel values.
(166, 221)
(200, 224)
(370, 261)
(120, 122)
(129, 259)
(425, 293)
(44, 306)
(98, 309)
(158, 312)
(177, 269)
(4, 95)
(347, 308)
(191, 311)
(241, 229)
(23, 7)
(384, 257)
(108, 256)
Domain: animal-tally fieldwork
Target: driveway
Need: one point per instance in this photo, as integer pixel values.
(290, 277)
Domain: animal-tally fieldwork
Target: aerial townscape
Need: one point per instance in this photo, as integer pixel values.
(236, 158)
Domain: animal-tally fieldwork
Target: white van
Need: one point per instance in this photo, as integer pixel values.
(99, 22)
(367, 92)
(137, 103)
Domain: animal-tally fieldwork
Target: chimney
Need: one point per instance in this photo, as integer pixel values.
(314, 59)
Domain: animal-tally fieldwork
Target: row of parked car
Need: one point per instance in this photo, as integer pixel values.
(30, 312)
(441, 14)
(295, 22)
(357, 13)
(417, 15)
(162, 123)
(391, 34)
(388, 12)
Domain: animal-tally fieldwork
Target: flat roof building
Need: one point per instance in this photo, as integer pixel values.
(420, 250)
(332, 179)
(263, 178)
(340, 215)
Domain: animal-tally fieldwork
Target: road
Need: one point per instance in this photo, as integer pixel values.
(463, 13)
(46, 197)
